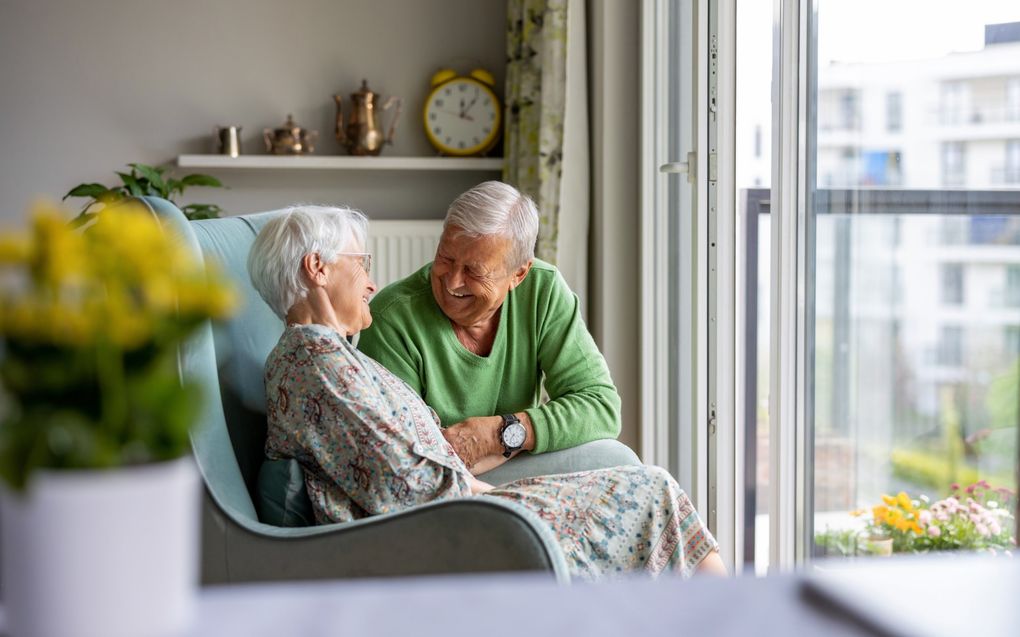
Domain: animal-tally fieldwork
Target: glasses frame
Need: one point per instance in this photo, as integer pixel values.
(366, 259)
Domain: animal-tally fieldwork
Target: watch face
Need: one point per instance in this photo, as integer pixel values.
(462, 117)
(513, 435)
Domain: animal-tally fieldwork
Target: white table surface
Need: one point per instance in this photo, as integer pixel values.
(982, 594)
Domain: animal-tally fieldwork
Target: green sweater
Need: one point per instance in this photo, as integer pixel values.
(541, 338)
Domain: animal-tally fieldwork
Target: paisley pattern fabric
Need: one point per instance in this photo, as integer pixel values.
(369, 445)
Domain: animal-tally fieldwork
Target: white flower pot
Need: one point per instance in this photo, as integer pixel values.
(107, 553)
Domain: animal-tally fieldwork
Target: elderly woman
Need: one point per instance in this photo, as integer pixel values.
(369, 445)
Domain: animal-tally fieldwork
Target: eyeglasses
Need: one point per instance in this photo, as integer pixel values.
(365, 258)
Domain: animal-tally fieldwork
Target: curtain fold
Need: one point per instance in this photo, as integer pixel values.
(546, 141)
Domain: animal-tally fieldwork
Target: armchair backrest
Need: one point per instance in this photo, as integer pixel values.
(229, 360)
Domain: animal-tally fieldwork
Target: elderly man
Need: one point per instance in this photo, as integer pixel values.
(482, 328)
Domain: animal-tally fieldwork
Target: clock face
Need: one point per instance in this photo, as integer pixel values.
(462, 117)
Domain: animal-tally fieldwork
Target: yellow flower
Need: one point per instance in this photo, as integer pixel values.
(14, 250)
(889, 500)
(904, 501)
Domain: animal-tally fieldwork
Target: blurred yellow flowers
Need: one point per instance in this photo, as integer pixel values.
(125, 281)
(90, 325)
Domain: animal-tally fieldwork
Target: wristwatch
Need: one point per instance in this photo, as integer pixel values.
(511, 434)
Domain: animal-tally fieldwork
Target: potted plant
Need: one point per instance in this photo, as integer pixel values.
(99, 499)
(142, 181)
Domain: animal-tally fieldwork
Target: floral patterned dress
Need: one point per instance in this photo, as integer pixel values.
(369, 445)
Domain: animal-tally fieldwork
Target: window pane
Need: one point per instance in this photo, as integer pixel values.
(914, 206)
(753, 178)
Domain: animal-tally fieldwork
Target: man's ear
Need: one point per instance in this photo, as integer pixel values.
(314, 269)
(521, 274)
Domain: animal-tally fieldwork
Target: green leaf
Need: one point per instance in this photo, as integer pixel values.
(132, 185)
(82, 219)
(153, 176)
(86, 190)
(113, 195)
(201, 180)
(197, 211)
(174, 186)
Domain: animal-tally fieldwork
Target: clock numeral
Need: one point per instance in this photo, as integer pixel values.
(438, 130)
(476, 140)
(492, 116)
(461, 87)
(486, 130)
(460, 144)
(449, 139)
(432, 116)
(448, 92)
(439, 103)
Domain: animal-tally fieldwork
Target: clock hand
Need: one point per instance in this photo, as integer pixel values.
(460, 115)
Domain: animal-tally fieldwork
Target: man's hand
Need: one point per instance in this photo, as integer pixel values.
(476, 441)
(475, 438)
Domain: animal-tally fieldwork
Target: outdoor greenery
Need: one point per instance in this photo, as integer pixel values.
(90, 323)
(143, 181)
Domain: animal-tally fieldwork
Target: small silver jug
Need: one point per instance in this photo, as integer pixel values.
(228, 140)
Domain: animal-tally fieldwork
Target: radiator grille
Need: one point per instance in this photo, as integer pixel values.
(401, 247)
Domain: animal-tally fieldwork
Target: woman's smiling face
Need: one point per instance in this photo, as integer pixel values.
(350, 287)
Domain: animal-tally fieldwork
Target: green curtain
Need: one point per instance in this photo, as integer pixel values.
(535, 104)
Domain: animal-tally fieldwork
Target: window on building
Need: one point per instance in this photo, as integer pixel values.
(1013, 99)
(954, 163)
(950, 346)
(952, 284)
(1012, 169)
(1012, 286)
(953, 107)
(849, 110)
(893, 111)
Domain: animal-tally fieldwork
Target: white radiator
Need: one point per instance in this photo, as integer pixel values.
(401, 247)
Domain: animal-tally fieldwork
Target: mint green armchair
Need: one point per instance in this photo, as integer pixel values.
(452, 536)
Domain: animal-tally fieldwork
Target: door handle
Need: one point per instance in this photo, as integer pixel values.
(681, 167)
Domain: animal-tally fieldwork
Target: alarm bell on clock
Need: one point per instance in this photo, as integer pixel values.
(362, 134)
(463, 116)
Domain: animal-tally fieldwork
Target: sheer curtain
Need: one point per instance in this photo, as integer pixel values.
(547, 127)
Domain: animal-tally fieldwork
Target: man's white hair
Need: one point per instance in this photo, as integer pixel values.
(493, 208)
(274, 263)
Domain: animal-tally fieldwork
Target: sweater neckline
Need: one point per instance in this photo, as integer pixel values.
(497, 344)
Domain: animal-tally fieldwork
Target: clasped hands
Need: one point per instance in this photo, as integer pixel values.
(476, 441)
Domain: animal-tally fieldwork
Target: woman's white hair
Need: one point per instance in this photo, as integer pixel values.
(274, 263)
(493, 208)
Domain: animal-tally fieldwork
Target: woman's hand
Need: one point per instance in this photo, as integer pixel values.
(477, 486)
(488, 463)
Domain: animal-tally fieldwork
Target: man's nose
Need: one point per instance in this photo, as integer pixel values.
(455, 277)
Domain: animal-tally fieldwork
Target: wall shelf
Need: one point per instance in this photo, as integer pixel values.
(337, 162)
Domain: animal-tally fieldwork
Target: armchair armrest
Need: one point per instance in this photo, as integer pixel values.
(466, 535)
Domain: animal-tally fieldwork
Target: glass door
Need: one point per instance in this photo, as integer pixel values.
(900, 217)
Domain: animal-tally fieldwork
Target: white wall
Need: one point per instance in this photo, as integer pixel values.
(615, 29)
(90, 86)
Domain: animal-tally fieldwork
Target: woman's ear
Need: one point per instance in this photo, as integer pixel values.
(314, 269)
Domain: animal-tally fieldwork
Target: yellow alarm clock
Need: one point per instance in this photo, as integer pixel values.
(462, 113)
